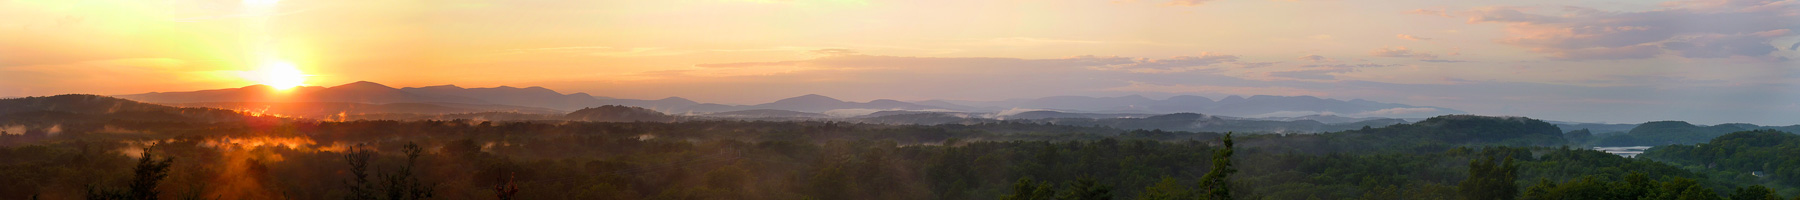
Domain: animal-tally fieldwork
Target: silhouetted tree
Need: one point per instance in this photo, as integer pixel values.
(1217, 183)
(148, 172)
(359, 186)
(506, 189)
(400, 184)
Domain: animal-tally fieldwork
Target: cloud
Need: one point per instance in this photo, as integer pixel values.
(834, 52)
(1796, 47)
(1641, 51)
(1315, 58)
(1186, 2)
(1438, 12)
(1319, 72)
(1401, 52)
(1215, 89)
(1720, 46)
(1411, 37)
(1206, 60)
(748, 64)
(1313, 74)
(1692, 29)
(607, 51)
(1031, 41)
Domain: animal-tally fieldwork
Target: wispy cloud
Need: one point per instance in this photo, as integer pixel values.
(1412, 37)
(1691, 29)
(1186, 2)
(1401, 52)
(1437, 12)
(1214, 89)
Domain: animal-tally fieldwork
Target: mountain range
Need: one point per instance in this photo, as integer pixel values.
(1253, 106)
(368, 97)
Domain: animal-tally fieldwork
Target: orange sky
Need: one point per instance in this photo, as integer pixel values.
(1574, 54)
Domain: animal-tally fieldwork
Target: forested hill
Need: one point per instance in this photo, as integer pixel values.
(1484, 129)
(73, 108)
(1435, 134)
(1679, 132)
(614, 113)
(1749, 155)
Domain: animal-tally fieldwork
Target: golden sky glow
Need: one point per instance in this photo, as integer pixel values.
(1583, 56)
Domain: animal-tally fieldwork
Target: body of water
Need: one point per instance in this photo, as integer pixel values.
(1631, 151)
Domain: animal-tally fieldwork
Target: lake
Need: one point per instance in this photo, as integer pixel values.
(1630, 151)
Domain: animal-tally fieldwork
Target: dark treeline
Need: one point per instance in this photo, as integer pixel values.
(129, 152)
(1761, 156)
(830, 160)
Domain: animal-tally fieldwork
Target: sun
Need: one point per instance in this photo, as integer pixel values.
(280, 75)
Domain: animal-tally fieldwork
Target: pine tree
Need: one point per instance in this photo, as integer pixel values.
(1216, 184)
(148, 172)
(506, 189)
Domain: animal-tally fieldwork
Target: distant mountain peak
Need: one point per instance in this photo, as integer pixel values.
(362, 85)
(811, 98)
(678, 101)
(886, 101)
(258, 87)
(452, 86)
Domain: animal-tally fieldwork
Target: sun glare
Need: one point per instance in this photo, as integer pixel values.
(261, 2)
(280, 75)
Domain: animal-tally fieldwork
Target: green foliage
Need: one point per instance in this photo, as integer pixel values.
(1167, 189)
(1637, 186)
(1086, 189)
(1025, 189)
(1765, 152)
(1754, 192)
(1490, 181)
(1581, 136)
(1672, 132)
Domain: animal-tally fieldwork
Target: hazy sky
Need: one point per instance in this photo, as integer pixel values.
(1707, 61)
